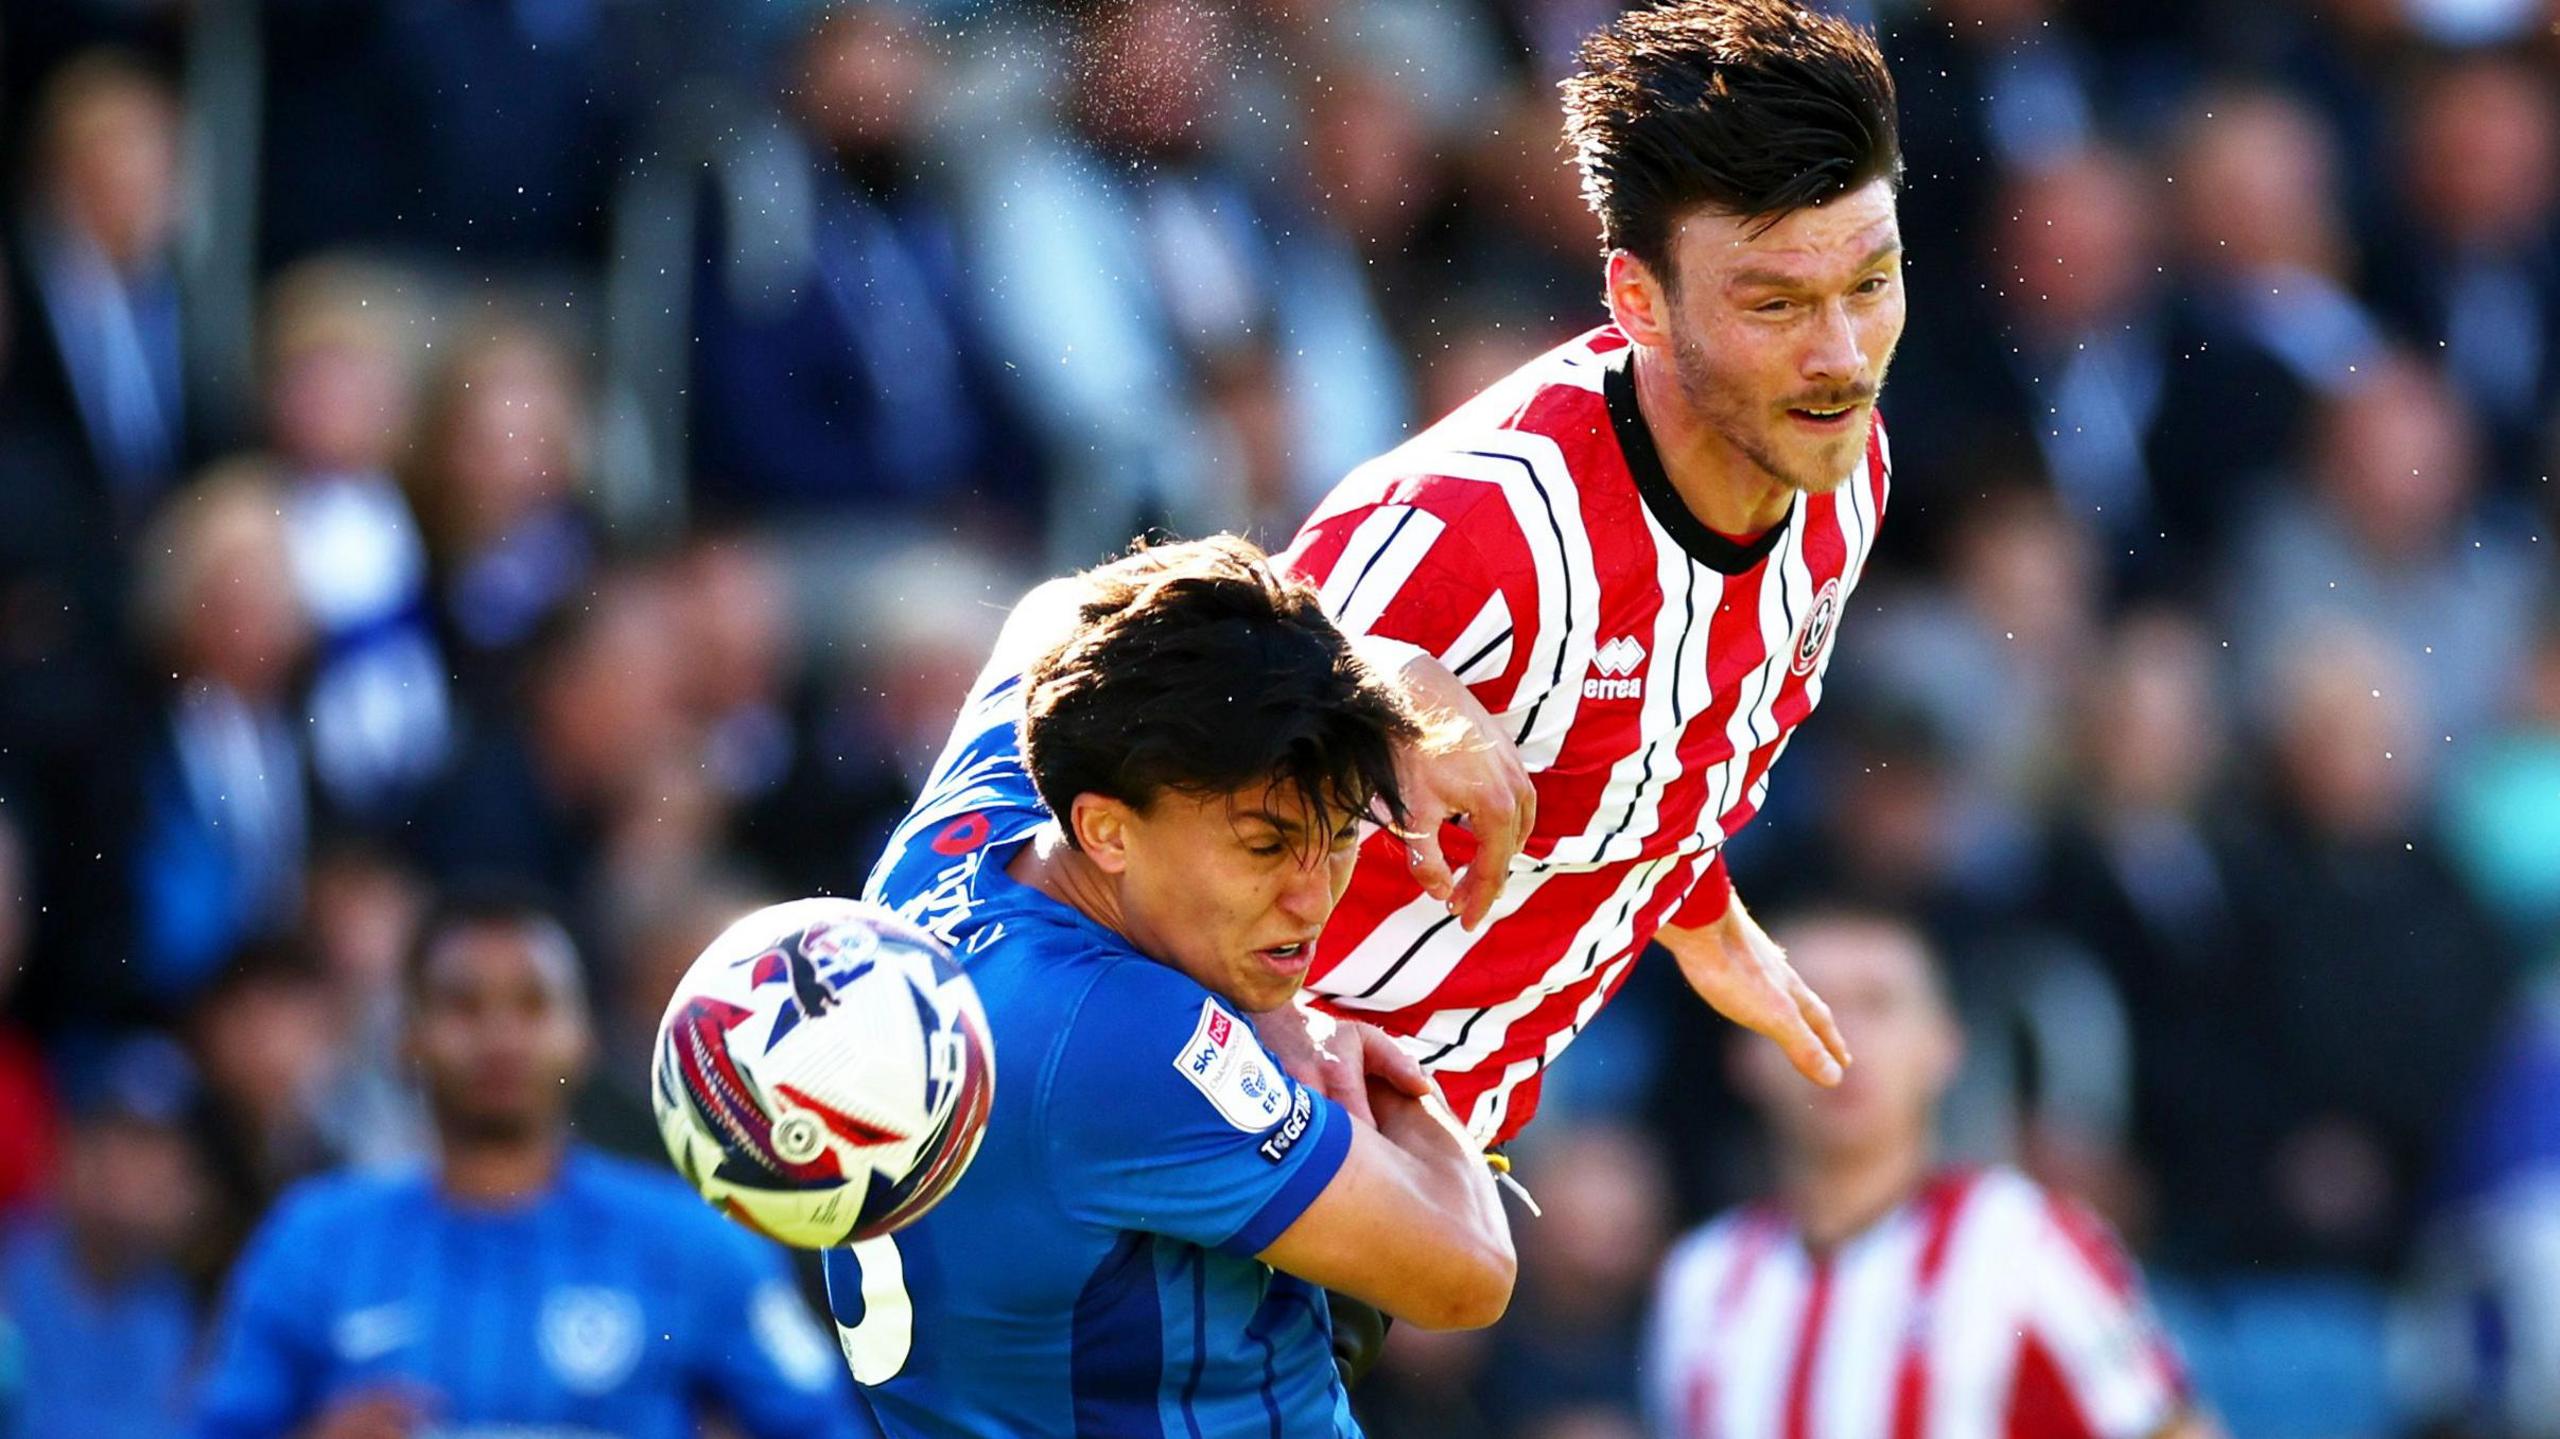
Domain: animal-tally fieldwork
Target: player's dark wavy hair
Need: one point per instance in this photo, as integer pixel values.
(1754, 108)
(1200, 668)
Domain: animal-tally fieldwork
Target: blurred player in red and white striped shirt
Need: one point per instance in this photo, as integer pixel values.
(1880, 1297)
(1625, 563)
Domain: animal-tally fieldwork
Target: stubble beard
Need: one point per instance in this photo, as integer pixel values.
(1713, 401)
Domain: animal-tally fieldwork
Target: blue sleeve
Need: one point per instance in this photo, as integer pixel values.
(979, 795)
(1164, 1114)
(267, 1357)
(760, 1356)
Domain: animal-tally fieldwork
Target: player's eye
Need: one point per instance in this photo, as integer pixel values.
(1873, 283)
(1773, 307)
(1267, 849)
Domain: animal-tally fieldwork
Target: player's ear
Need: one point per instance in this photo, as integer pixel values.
(1638, 300)
(1101, 828)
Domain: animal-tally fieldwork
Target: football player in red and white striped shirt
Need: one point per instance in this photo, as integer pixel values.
(1879, 1297)
(1626, 562)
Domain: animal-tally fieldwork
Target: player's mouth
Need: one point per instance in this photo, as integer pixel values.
(1825, 418)
(1290, 958)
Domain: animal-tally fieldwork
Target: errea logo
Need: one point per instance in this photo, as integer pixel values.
(1613, 671)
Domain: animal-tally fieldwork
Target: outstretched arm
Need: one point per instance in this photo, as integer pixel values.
(1735, 966)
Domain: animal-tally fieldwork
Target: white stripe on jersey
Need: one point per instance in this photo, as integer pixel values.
(1482, 650)
(1548, 510)
(1382, 554)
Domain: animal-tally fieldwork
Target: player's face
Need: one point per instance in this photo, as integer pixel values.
(1779, 338)
(1886, 998)
(500, 1031)
(1232, 889)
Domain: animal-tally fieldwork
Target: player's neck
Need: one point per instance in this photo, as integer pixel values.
(499, 1173)
(1725, 488)
(1833, 1198)
(1061, 871)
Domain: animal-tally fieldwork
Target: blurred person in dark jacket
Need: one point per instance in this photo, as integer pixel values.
(594, 775)
(1571, 1345)
(498, 479)
(224, 818)
(2472, 273)
(2136, 869)
(2370, 970)
(840, 365)
(102, 353)
(99, 1282)
(2265, 322)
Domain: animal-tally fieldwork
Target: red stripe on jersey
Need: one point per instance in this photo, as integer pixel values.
(1942, 1206)
(1817, 1305)
(2040, 1402)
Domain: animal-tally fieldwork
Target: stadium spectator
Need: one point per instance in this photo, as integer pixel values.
(521, 1279)
(224, 818)
(2370, 970)
(2474, 277)
(2264, 325)
(1197, 347)
(793, 734)
(842, 371)
(498, 479)
(339, 343)
(100, 1282)
(360, 914)
(1877, 1293)
(2389, 530)
(577, 782)
(2137, 870)
(102, 356)
(267, 1039)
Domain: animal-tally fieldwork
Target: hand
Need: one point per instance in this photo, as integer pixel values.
(1465, 768)
(372, 1413)
(1735, 966)
(1341, 1058)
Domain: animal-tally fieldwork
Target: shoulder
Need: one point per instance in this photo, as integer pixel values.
(1717, 1247)
(344, 1201)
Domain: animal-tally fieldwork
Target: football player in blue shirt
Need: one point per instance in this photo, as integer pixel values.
(526, 1286)
(1143, 1244)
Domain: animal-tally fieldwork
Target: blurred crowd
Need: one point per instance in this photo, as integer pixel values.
(594, 440)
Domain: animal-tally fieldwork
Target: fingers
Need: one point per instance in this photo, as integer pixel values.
(1387, 1061)
(1346, 1083)
(1817, 1013)
(1501, 823)
(1430, 867)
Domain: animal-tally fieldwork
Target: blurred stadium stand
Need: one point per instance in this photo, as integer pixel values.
(596, 437)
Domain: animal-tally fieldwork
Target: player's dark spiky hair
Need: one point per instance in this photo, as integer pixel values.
(1753, 108)
(1200, 668)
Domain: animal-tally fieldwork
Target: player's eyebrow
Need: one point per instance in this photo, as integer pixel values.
(1289, 828)
(1776, 280)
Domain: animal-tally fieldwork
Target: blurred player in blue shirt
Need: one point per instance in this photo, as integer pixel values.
(527, 1287)
(1143, 1243)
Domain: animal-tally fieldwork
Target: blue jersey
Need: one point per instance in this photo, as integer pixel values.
(615, 1304)
(1093, 1274)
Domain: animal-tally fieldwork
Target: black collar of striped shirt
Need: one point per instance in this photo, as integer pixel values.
(1635, 439)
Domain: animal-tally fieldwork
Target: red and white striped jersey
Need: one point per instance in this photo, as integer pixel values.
(1650, 669)
(1983, 1308)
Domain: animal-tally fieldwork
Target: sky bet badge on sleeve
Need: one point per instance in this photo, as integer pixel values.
(1226, 1063)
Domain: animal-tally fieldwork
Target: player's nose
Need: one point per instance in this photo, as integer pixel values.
(1833, 352)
